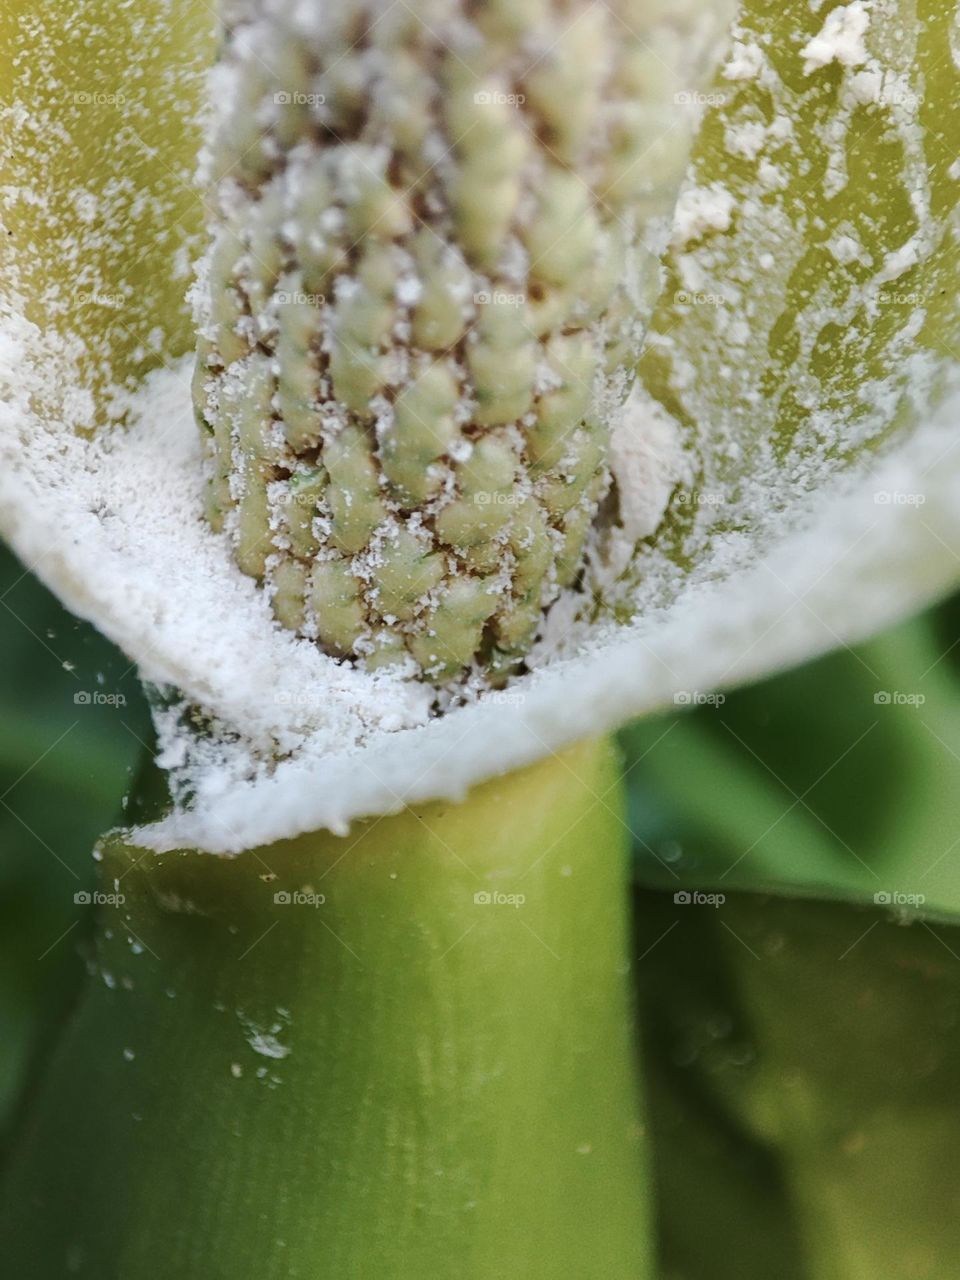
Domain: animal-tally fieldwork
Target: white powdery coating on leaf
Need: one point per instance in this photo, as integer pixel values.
(746, 62)
(648, 461)
(116, 528)
(699, 210)
(115, 525)
(848, 563)
(794, 566)
(839, 40)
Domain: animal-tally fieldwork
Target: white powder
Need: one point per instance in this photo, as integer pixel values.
(301, 742)
(648, 461)
(263, 1041)
(115, 527)
(852, 565)
(840, 39)
(746, 61)
(846, 249)
(899, 261)
(747, 139)
(699, 210)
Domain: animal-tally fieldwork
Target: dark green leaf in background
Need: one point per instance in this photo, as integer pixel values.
(67, 748)
(803, 1063)
(838, 780)
(802, 1056)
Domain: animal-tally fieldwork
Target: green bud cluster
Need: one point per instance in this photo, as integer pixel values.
(423, 301)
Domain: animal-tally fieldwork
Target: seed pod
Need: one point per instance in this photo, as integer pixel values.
(419, 283)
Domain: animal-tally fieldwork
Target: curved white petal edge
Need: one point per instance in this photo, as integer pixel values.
(114, 526)
(799, 557)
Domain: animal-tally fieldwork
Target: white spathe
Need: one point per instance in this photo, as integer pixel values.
(114, 526)
(792, 559)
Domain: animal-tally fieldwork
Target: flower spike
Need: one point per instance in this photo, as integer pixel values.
(425, 298)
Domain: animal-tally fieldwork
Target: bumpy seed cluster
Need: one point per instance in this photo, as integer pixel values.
(422, 305)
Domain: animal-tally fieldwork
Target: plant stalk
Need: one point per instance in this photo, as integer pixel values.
(407, 1053)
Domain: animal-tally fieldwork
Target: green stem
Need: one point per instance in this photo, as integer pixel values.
(402, 1081)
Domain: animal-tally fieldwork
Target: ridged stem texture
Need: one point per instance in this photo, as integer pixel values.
(403, 1054)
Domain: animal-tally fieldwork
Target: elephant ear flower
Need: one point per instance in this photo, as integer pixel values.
(497, 416)
(405, 505)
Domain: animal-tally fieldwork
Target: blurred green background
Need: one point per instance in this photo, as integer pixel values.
(66, 760)
(799, 1007)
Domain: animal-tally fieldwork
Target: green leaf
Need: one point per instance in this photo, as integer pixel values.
(812, 1051)
(64, 766)
(838, 780)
